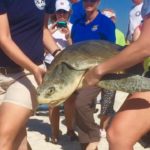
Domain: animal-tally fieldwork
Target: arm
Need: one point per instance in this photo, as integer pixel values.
(67, 33)
(131, 55)
(69, 41)
(13, 51)
(48, 40)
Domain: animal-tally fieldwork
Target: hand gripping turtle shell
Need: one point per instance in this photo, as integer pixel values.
(65, 74)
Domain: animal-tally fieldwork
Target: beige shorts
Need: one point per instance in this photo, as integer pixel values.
(19, 89)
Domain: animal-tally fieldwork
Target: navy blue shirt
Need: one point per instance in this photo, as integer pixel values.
(77, 11)
(26, 19)
(101, 28)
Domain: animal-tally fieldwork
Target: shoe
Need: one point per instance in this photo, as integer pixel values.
(72, 136)
(102, 133)
(54, 140)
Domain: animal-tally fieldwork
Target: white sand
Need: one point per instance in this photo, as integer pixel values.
(39, 128)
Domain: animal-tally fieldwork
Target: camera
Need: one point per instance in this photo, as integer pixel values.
(61, 24)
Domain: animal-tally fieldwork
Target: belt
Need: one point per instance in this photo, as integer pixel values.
(9, 70)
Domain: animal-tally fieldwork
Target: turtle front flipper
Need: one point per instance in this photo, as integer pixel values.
(125, 82)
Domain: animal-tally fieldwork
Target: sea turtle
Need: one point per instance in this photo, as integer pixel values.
(65, 73)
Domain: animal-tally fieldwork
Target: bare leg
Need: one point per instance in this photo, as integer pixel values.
(11, 123)
(104, 121)
(131, 122)
(54, 119)
(69, 110)
(21, 141)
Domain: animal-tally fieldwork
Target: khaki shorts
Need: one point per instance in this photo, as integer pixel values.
(19, 89)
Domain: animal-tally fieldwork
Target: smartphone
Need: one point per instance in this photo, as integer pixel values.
(61, 24)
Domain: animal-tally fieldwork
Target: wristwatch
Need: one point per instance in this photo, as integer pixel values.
(56, 51)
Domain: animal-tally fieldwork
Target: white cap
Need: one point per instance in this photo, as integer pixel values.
(109, 13)
(62, 4)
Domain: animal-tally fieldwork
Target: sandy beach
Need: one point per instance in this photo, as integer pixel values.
(39, 131)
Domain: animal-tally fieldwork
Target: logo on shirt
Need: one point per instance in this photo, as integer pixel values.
(94, 28)
(40, 4)
(138, 13)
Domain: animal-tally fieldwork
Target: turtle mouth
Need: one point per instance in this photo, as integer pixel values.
(51, 103)
(57, 102)
(43, 100)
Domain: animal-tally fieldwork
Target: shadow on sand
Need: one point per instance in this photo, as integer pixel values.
(38, 125)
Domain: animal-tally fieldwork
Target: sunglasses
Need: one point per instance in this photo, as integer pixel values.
(61, 11)
(92, 1)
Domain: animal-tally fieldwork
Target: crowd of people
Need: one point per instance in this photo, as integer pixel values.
(28, 44)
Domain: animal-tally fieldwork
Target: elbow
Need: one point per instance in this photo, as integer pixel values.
(146, 52)
(143, 47)
(146, 49)
(4, 40)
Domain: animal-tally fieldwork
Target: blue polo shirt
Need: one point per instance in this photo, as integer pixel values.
(101, 28)
(77, 11)
(26, 19)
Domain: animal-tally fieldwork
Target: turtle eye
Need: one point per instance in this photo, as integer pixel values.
(50, 91)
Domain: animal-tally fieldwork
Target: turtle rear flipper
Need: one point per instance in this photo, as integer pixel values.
(125, 82)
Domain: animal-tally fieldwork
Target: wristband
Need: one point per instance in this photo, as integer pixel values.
(55, 52)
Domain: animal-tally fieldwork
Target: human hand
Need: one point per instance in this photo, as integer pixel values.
(53, 28)
(91, 77)
(39, 73)
(67, 33)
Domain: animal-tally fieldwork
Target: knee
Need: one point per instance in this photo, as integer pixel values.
(118, 136)
(112, 135)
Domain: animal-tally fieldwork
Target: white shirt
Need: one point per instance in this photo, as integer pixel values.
(60, 41)
(135, 18)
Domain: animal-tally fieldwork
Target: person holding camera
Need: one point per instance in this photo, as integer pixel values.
(60, 29)
(60, 26)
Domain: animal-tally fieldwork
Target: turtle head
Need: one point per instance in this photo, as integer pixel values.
(58, 84)
(52, 93)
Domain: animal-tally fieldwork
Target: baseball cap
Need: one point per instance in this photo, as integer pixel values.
(109, 13)
(62, 4)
